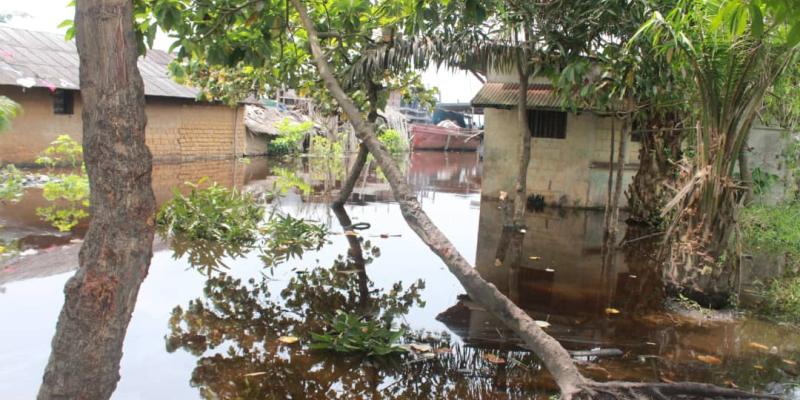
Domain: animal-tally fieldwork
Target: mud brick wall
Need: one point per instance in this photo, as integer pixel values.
(166, 176)
(177, 129)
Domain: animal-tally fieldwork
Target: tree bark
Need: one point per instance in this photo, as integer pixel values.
(609, 189)
(116, 252)
(555, 358)
(621, 158)
(659, 155)
(521, 189)
(746, 175)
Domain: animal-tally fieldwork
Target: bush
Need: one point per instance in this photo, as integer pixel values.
(215, 213)
(782, 299)
(772, 229)
(290, 137)
(11, 183)
(287, 237)
(69, 193)
(393, 142)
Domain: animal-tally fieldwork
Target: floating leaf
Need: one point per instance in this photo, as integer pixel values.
(612, 311)
(288, 339)
(350, 233)
(789, 362)
(535, 258)
(542, 324)
(711, 360)
(497, 262)
(420, 347)
(758, 346)
(255, 374)
(494, 359)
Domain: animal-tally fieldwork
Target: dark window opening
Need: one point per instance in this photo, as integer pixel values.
(548, 124)
(63, 102)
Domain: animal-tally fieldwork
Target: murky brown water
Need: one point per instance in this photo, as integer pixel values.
(216, 336)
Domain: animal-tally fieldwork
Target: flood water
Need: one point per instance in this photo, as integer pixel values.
(208, 327)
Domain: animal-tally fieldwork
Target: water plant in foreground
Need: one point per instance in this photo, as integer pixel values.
(351, 333)
(288, 237)
(213, 213)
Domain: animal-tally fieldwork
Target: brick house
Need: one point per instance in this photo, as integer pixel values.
(40, 72)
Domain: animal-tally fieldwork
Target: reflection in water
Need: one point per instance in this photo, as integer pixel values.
(559, 274)
(224, 338)
(247, 319)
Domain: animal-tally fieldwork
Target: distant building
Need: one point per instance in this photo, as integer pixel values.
(570, 150)
(40, 71)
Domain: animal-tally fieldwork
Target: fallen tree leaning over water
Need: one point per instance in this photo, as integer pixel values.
(556, 359)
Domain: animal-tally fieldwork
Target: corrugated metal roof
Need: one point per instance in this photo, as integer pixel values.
(39, 59)
(505, 95)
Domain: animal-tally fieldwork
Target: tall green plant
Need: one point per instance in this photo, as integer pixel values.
(8, 111)
(734, 50)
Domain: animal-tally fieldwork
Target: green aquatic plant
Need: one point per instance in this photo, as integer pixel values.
(68, 192)
(351, 333)
(287, 237)
(11, 183)
(214, 213)
(287, 180)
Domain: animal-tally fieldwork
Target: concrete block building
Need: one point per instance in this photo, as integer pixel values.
(570, 152)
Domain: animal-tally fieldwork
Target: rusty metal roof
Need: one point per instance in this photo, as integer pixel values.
(505, 95)
(39, 59)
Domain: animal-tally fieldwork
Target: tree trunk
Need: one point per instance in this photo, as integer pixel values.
(361, 158)
(746, 175)
(116, 252)
(611, 228)
(658, 157)
(609, 189)
(555, 358)
(520, 198)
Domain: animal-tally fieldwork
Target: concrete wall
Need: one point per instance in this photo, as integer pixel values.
(570, 172)
(177, 129)
(766, 153)
(573, 172)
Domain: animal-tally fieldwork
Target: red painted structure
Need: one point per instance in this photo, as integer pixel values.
(432, 137)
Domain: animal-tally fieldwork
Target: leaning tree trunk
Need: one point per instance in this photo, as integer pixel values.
(556, 359)
(520, 188)
(116, 252)
(658, 157)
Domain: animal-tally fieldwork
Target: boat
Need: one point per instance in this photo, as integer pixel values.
(447, 138)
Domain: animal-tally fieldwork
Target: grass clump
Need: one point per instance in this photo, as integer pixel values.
(214, 213)
(772, 229)
(775, 230)
(782, 299)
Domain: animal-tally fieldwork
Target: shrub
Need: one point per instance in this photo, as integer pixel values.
(69, 193)
(773, 229)
(215, 213)
(290, 137)
(287, 237)
(393, 142)
(11, 183)
(782, 299)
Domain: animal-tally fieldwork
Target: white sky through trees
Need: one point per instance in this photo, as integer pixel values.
(46, 15)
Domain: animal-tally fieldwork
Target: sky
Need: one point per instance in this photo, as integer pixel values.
(46, 15)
